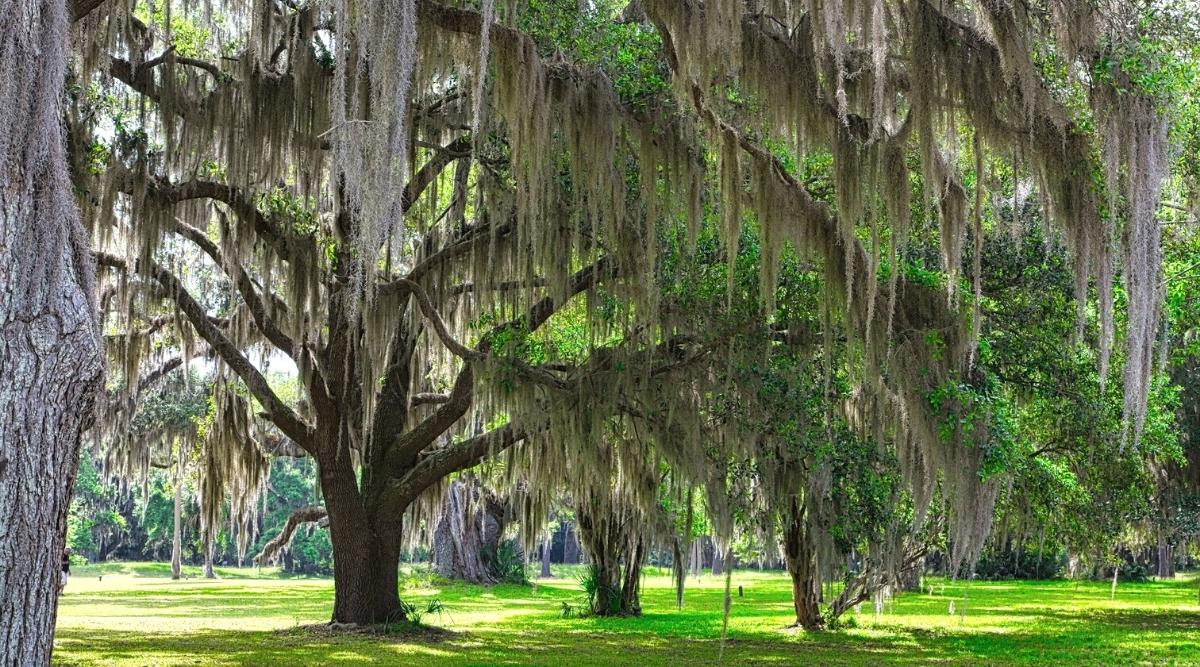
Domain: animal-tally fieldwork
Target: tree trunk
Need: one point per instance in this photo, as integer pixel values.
(467, 537)
(1166, 558)
(547, 543)
(177, 535)
(718, 561)
(610, 540)
(678, 571)
(50, 359)
(208, 559)
(631, 586)
(801, 555)
(366, 558)
(570, 544)
(910, 580)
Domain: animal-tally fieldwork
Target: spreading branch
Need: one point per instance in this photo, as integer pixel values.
(272, 549)
(400, 493)
(275, 409)
(244, 284)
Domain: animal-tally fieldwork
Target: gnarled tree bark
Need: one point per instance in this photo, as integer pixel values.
(467, 533)
(50, 361)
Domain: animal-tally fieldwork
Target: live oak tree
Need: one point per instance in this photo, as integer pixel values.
(392, 400)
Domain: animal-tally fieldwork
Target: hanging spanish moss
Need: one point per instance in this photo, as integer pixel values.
(370, 120)
(1140, 148)
(397, 195)
(233, 469)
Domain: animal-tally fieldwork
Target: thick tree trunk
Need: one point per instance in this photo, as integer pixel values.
(1166, 558)
(546, 546)
(718, 561)
(366, 557)
(50, 360)
(801, 555)
(631, 586)
(910, 580)
(610, 542)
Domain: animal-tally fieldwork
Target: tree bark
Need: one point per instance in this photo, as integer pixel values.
(177, 533)
(467, 537)
(547, 544)
(50, 361)
(718, 561)
(631, 585)
(570, 544)
(209, 573)
(610, 540)
(678, 571)
(801, 555)
(1166, 557)
(366, 557)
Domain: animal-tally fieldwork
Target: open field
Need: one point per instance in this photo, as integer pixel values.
(135, 615)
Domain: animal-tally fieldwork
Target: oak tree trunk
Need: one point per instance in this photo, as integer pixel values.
(718, 561)
(547, 543)
(800, 552)
(366, 556)
(466, 539)
(631, 585)
(50, 360)
(610, 543)
(208, 559)
(570, 544)
(1166, 558)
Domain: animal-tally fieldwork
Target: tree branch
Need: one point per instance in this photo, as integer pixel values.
(409, 444)
(245, 286)
(276, 410)
(435, 318)
(402, 492)
(272, 549)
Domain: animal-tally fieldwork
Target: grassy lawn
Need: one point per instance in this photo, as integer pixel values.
(133, 614)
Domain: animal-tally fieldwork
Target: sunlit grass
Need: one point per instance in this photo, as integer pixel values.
(133, 614)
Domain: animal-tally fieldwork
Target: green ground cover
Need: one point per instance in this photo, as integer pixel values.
(133, 614)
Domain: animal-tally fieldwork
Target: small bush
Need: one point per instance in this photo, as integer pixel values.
(599, 595)
(509, 563)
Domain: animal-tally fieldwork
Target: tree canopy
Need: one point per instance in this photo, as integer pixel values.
(870, 278)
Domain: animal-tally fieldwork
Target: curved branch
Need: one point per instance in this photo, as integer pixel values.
(276, 410)
(233, 197)
(425, 176)
(435, 318)
(407, 445)
(245, 287)
(402, 492)
(81, 8)
(272, 549)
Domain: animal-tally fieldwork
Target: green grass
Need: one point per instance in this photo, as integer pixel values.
(135, 615)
